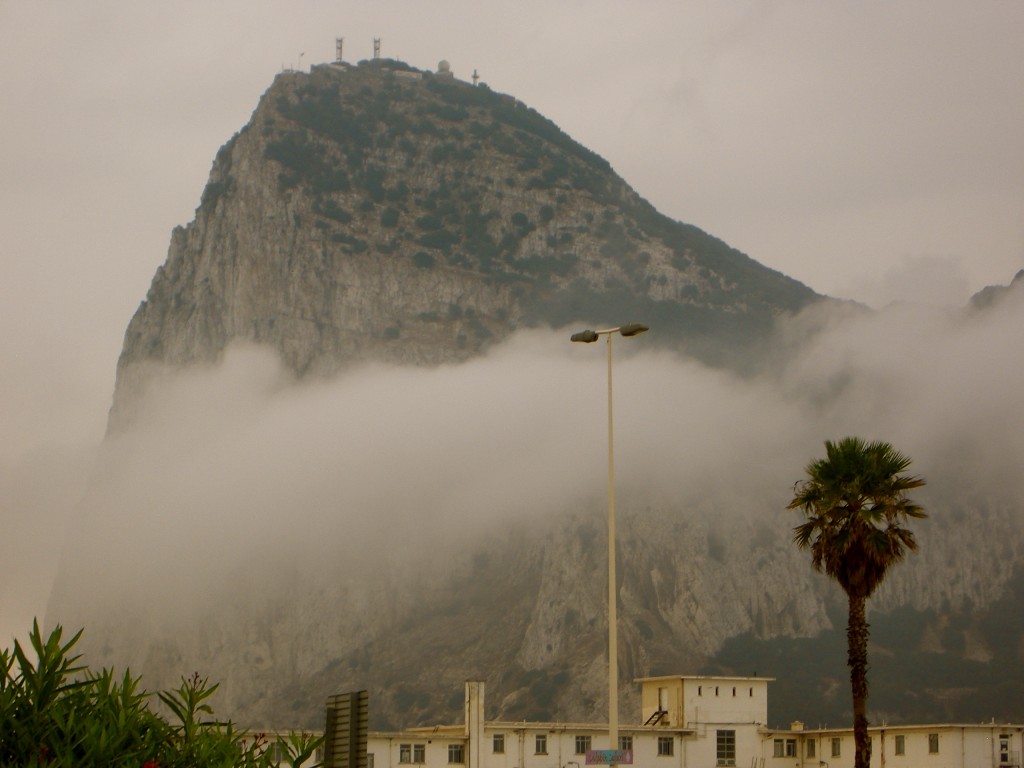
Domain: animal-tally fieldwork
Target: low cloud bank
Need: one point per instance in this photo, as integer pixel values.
(238, 470)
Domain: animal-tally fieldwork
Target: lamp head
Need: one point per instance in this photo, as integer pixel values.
(586, 337)
(633, 329)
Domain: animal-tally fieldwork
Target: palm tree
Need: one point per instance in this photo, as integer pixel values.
(856, 508)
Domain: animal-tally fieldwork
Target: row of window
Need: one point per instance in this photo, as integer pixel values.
(412, 753)
(725, 744)
(787, 747)
(700, 691)
(583, 744)
(417, 753)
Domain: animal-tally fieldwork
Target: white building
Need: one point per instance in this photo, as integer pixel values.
(966, 745)
(685, 722)
(689, 721)
(699, 721)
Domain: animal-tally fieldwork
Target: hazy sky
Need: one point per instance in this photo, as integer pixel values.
(870, 149)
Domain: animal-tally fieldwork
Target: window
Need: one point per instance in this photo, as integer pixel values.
(784, 748)
(901, 745)
(811, 748)
(540, 744)
(277, 753)
(456, 754)
(837, 747)
(700, 690)
(725, 747)
(582, 745)
(412, 753)
(933, 743)
(626, 743)
(665, 746)
(734, 691)
(499, 744)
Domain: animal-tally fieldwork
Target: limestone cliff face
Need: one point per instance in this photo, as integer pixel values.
(362, 214)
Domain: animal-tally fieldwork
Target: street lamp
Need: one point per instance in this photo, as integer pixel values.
(588, 337)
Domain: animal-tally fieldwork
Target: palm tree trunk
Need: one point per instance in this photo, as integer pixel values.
(857, 660)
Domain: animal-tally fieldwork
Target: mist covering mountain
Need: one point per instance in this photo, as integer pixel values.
(351, 446)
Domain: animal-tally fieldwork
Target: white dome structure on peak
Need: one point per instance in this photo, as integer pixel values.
(444, 69)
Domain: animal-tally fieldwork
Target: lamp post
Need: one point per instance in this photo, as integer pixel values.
(588, 337)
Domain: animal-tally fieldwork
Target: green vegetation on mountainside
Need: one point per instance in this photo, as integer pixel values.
(360, 144)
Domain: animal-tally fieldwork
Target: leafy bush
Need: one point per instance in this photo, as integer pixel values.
(442, 239)
(321, 111)
(423, 260)
(398, 193)
(355, 245)
(389, 217)
(453, 113)
(480, 330)
(304, 161)
(429, 222)
(548, 265)
(214, 190)
(56, 712)
(373, 178)
(329, 208)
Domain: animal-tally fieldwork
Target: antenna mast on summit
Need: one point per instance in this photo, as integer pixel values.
(376, 47)
(338, 41)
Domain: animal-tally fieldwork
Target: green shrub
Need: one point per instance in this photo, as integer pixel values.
(441, 239)
(304, 162)
(373, 178)
(327, 207)
(214, 190)
(389, 218)
(54, 711)
(320, 110)
(423, 260)
(355, 245)
(429, 222)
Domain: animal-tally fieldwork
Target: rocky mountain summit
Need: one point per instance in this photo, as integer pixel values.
(992, 295)
(376, 212)
(379, 213)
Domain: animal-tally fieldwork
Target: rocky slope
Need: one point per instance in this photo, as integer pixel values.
(378, 212)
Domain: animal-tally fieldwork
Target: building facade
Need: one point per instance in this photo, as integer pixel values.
(689, 722)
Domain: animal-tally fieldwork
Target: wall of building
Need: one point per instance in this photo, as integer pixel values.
(700, 744)
(957, 746)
